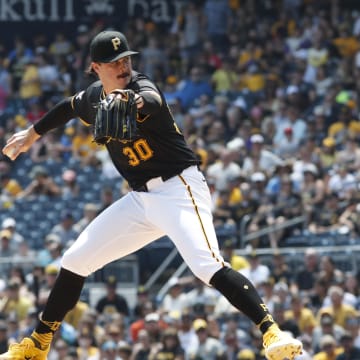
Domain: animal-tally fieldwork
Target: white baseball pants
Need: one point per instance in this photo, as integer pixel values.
(179, 207)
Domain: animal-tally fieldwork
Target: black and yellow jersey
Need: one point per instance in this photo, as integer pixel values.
(158, 149)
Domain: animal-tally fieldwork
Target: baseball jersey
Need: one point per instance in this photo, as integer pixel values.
(157, 150)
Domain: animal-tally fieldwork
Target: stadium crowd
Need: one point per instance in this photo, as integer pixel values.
(267, 96)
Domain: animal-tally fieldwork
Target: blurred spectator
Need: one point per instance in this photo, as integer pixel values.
(86, 346)
(193, 87)
(329, 271)
(186, 333)
(351, 351)
(285, 206)
(3, 336)
(83, 147)
(48, 73)
(65, 228)
(15, 62)
(170, 346)
(236, 261)
(112, 302)
(9, 223)
(90, 211)
(224, 169)
(225, 79)
(107, 197)
(143, 348)
(329, 349)
(7, 249)
(327, 220)
(305, 277)
(326, 326)
(30, 83)
(51, 272)
(338, 308)
(257, 272)
(312, 189)
(15, 303)
(280, 270)
(153, 57)
(259, 158)
(42, 183)
(350, 218)
(47, 149)
(175, 299)
(286, 323)
(208, 347)
(70, 188)
(342, 182)
(200, 299)
(303, 316)
(59, 351)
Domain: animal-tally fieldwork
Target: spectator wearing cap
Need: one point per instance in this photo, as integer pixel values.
(90, 211)
(15, 303)
(175, 299)
(327, 153)
(142, 297)
(65, 228)
(112, 302)
(336, 304)
(6, 247)
(326, 326)
(259, 158)
(154, 325)
(329, 349)
(9, 223)
(51, 272)
(209, 347)
(41, 184)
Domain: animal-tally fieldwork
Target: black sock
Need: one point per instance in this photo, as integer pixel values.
(242, 294)
(63, 297)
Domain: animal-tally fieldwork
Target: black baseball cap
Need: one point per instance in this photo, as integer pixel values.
(109, 46)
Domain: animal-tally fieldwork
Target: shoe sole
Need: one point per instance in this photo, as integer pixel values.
(284, 350)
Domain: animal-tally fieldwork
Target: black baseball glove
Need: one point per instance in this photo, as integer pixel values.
(116, 117)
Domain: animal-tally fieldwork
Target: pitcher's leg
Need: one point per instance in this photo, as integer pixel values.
(118, 231)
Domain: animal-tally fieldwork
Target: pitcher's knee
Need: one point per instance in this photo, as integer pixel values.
(71, 261)
(206, 272)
